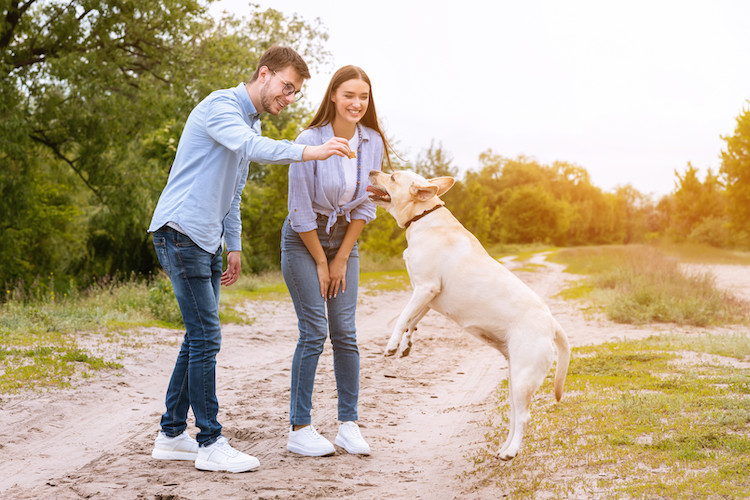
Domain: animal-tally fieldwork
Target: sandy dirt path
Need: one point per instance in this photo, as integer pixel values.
(422, 415)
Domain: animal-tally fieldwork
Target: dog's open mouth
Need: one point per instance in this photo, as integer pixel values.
(377, 194)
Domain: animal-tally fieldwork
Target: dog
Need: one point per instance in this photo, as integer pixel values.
(452, 273)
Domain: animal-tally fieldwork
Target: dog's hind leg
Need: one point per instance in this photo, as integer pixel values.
(528, 364)
(414, 310)
(511, 415)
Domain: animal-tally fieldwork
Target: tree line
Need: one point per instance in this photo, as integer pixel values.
(94, 94)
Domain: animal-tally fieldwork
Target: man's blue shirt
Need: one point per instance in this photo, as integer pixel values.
(202, 196)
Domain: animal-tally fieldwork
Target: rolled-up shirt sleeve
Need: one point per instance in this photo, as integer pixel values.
(302, 191)
(365, 211)
(225, 124)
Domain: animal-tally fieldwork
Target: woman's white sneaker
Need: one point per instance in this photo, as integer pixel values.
(181, 447)
(350, 439)
(306, 441)
(220, 456)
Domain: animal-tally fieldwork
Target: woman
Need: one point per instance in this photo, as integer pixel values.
(328, 207)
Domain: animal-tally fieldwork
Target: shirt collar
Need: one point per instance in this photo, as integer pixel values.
(245, 101)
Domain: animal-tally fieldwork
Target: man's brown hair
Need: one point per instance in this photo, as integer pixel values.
(277, 58)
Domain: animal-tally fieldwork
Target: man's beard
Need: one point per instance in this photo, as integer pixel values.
(266, 101)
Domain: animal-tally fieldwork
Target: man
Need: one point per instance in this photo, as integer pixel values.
(198, 209)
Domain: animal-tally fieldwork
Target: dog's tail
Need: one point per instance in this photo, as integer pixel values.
(563, 359)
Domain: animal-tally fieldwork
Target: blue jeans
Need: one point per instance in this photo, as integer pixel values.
(196, 278)
(301, 277)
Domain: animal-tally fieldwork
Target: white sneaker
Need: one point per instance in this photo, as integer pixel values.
(220, 456)
(350, 439)
(181, 447)
(308, 442)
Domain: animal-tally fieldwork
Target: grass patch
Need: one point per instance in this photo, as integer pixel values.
(38, 346)
(522, 252)
(639, 284)
(38, 337)
(665, 417)
(705, 254)
(268, 285)
(383, 281)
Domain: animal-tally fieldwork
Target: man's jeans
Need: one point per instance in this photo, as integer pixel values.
(301, 276)
(196, 278)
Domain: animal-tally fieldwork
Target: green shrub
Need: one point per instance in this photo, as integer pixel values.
(162, 303)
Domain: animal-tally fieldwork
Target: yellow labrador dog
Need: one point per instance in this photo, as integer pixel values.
(453, 274)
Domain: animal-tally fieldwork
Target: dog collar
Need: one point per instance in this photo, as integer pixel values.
(417, 217)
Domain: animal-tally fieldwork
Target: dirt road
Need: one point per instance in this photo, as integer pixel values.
(422, 414)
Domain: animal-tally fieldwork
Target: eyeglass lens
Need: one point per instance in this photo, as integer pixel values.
(289, 90)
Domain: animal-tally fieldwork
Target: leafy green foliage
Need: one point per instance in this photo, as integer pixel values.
(697, 208)
(735, 166)
(94, 94)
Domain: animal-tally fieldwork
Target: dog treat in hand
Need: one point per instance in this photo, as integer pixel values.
(352, 154)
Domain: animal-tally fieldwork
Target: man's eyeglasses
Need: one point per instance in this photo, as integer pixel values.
(289, 89)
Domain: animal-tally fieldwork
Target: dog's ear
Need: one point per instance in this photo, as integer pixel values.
(443, 184)
(422, 193)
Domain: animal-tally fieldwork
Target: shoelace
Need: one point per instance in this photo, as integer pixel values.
(354, 429)
(313, 432)
(226, 448)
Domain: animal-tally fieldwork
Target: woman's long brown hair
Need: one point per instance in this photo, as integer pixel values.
(327, 111)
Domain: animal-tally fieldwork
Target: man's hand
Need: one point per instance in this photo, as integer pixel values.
(233, 268)
(333, 146)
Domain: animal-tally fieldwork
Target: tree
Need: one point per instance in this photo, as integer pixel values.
(637, 213)
(694, 201)
(531, 215)
(94, 94)
(435, 163)
(735, 167)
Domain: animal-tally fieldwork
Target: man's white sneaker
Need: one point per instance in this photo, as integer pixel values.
(181, 447)
(220, 456)
(306, 441)
(350, 439)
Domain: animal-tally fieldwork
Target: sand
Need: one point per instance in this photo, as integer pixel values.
(423, 415)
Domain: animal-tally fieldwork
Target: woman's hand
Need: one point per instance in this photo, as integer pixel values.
(337, 272)
(324, 278)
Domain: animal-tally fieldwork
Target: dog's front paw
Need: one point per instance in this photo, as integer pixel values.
(390, 351)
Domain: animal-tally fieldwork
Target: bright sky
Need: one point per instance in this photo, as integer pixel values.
(630, 91)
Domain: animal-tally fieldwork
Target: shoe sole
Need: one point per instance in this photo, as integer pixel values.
(308, 453)
(354, 451)
(174, 455)
(210, 466)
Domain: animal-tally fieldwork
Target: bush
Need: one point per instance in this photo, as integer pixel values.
(638, 284)
(162, 303)
(710, 231)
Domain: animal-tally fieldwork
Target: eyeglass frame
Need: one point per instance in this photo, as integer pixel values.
(297, 93)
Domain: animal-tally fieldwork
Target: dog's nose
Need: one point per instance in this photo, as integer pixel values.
(374, 172)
